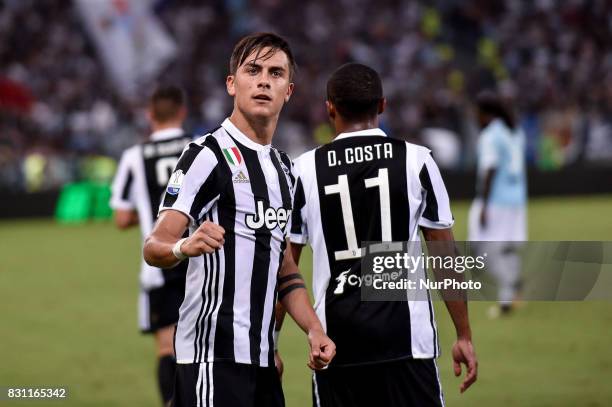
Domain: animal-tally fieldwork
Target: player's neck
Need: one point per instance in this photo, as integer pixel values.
(343, 126)
(258, 130)
(165, 126)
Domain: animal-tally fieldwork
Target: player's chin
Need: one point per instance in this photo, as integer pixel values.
(266, 110)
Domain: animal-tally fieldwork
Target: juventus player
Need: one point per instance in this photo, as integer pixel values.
(365, 186)
(234, 193)
(142, 175)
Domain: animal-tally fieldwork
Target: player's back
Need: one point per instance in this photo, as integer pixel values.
(366, 187)
(140, 182)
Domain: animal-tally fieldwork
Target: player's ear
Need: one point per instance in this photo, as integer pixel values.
(331, 109)
(289, 92)
(382, 105)
(229, 84)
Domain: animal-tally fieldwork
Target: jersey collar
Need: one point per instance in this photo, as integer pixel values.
(242, 138)
(166, 133)
(368, 132)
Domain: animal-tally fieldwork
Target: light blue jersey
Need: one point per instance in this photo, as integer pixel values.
(503, 149)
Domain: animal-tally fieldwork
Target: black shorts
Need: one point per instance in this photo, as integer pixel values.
(159, 307)
(226, 384)
(407, 382)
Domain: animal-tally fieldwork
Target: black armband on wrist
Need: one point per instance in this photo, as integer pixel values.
(283, 293)
(289, 277)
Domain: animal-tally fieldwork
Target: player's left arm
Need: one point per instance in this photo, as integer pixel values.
(280, 312)
(122, 193)
(293, 296)
(440, 242)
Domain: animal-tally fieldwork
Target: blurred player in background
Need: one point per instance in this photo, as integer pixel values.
(233, 191)
(142, 176)
(365, 186)
(498, 214)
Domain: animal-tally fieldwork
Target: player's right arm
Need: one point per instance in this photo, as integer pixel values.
(436, 224)
(169, 229)
(192, 190)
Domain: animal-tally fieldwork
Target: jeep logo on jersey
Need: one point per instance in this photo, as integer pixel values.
(270, 217)
(176, 180)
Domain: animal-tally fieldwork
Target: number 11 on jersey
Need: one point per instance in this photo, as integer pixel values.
(342, 188)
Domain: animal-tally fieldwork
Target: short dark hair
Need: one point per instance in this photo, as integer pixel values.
(256, 43)
(166, 102)
(489, 102)
(355, 90)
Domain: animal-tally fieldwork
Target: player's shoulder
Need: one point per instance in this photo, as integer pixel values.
(496, 129)
(417, 153)
(132, 153)
(203, 146)
(305, 161)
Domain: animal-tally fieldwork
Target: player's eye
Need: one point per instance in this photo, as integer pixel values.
(252, 70)
(276, 74)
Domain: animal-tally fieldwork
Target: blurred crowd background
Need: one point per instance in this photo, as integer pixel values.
(64, 118)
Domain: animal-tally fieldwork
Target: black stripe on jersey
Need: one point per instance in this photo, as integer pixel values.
(282, 180)
(215, 297)
(431, 203)
(287, 161)
(299, 201)
(226, 207)
(197, 357)
(125, 194)
(184, 164)
(261, 260)
(208, 191)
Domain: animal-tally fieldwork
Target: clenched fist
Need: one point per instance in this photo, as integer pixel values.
(206, 239)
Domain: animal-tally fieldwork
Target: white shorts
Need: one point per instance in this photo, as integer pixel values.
(504, 223)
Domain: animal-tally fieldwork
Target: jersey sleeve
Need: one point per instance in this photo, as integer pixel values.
(299, 227)
(194, 185)
(436, 213)
(122, 189)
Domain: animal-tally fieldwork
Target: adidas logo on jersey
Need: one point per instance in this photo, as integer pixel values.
(240, 178)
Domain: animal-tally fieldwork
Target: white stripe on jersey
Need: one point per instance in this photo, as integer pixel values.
(312, 233)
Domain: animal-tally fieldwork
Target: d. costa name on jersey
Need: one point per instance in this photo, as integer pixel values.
(361, 154)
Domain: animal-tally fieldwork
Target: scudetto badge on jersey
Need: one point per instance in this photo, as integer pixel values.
(232, 155)
(176, 180)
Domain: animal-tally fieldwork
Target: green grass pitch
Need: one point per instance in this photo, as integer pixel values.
(68, 314)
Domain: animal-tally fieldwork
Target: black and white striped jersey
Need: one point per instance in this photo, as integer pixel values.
(364, 187)
(140, 181)
(247, 188)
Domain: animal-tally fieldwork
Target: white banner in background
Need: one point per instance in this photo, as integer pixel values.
(130, 40)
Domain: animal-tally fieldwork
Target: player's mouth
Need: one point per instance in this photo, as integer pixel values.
(262, 97)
